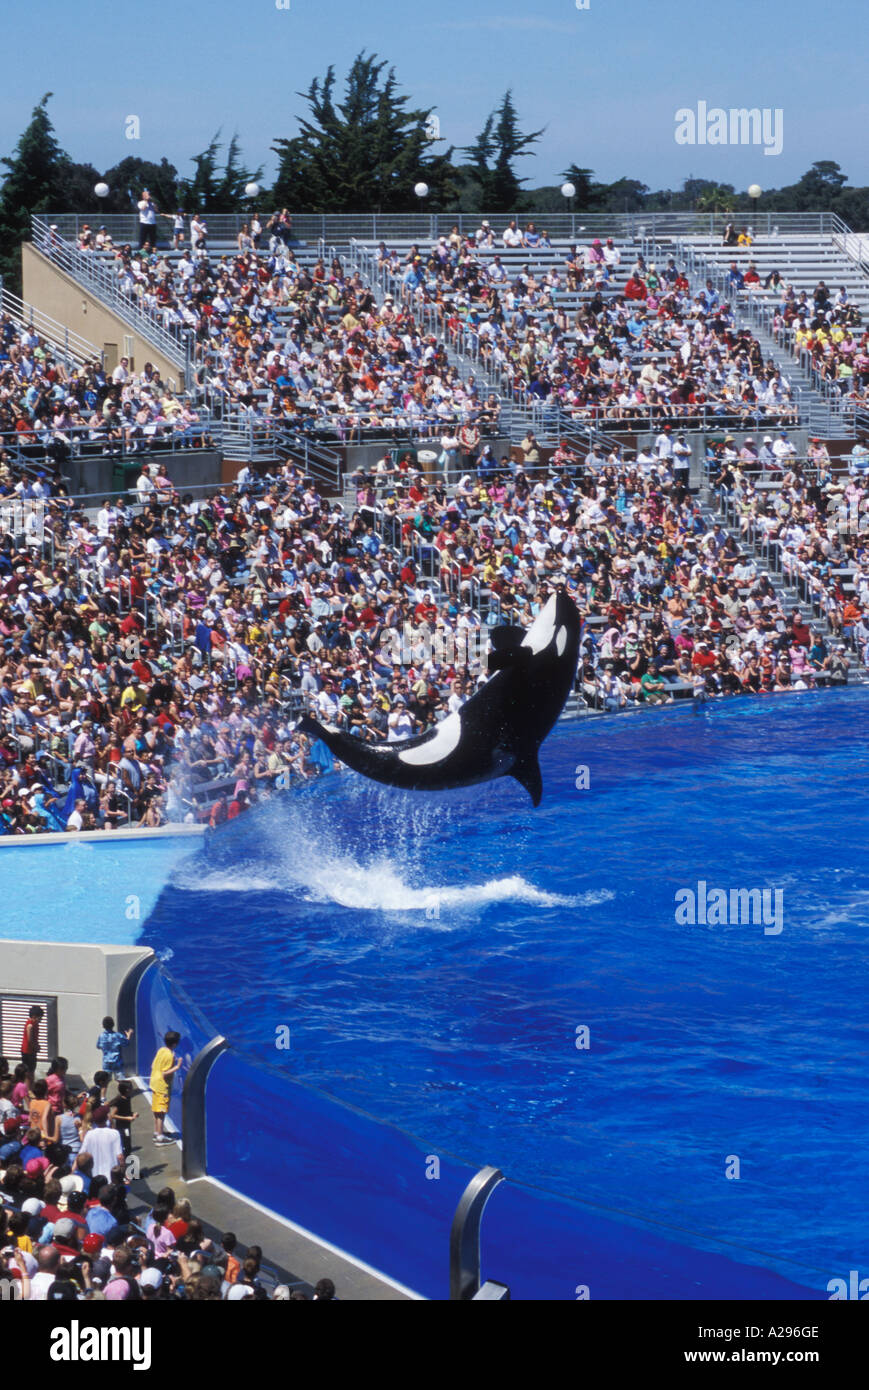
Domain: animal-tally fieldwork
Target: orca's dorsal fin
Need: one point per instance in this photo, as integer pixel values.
(526, 770)
(507, 647)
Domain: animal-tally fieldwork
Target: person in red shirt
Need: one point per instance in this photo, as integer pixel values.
(703, 659)
(426, 612)
(635, 288)
(30, 1038)
(802, 636)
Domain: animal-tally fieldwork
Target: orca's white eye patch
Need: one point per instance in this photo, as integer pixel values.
(542, 630)
(561, 640)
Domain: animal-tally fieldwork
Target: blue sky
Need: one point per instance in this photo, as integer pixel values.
(605, 82)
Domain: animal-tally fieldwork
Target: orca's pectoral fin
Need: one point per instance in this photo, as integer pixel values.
(526, 770)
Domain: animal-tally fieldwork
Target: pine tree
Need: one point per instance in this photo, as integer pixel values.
(493, 156)
(211, 190)
(127, 179)
(362, 154)
(28, 187)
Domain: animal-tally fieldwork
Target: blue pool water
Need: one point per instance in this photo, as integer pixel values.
(95, 890)
(433, 958)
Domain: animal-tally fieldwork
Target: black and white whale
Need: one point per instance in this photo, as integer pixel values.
(498, 732)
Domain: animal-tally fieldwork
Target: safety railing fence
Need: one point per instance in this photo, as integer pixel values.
(71, 347)
(555, 422)
(118, 435)
(175, 342)
(337, 229)
(854, 244)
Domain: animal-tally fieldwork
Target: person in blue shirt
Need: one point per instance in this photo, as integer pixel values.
(110, 1043)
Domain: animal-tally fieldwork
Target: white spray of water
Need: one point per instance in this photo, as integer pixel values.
(301, 856)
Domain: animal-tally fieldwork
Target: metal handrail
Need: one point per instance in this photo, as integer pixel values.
(75, 348)
(338, 228)
(465, 1265)
(88, 269)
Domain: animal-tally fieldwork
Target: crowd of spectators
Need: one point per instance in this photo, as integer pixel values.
(52, 409)
(288, 345)
(169, 650)
(72, 1227)
(156, 658)
(592, 344)
(817, 521)
(823, 324)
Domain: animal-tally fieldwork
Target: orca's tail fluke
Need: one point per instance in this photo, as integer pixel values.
(526, 770)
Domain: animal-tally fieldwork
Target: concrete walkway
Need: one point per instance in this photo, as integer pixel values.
(298, 1259)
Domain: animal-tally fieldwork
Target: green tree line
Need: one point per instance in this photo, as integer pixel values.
(364, 148)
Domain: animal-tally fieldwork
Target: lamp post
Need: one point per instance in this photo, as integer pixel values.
(251, 191)
(754, 192)
(421, 191)
(102, 191)
(568, 192)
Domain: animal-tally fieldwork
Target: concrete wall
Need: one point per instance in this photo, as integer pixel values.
(48, 288)
(86, 980)
(94, 474)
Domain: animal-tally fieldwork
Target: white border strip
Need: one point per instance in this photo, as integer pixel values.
(104, 837)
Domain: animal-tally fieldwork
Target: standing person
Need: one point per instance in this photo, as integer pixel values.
(110, 1042)
(163, 1068)
(198, 235)
(41, 1113)
(178, 230)
(121, 1111)
(56, 1084)
(103, 1144)
(681, 462)
(469, 441)
(147, 221)
(285, 227)
(30, 1038)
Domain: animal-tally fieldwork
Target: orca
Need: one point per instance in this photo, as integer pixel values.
(498, 731)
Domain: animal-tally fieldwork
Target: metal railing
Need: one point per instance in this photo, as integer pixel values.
(855, 245)
(826, 412)
(832, 411)
(90, 270)
(75, 349)
(338, 229)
